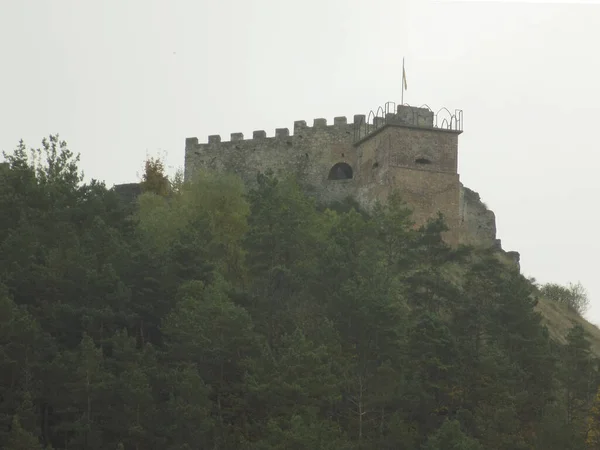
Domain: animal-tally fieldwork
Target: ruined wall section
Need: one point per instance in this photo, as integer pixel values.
(309, 153)
(477, 226)
(477, 222)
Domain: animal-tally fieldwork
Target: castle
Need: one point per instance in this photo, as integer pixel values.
(410, 149)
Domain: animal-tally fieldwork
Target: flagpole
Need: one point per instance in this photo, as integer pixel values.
(402, 81)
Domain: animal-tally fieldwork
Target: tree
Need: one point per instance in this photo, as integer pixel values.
(155, 179)
(301, 378)
(282, 245)
(207, 330)
(21, 348)
(577, 374)
(81, 402)
(574, 296)
(132, 403)
(186, 418)
(300, 432)
(592, 440)
(20, 439)
(450, 437)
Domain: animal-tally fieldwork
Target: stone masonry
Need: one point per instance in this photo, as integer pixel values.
(406, 149)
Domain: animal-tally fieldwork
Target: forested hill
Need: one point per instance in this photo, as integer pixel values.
(203, 317)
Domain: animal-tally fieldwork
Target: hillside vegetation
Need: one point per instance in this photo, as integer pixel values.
(205, 316)
(560, 319)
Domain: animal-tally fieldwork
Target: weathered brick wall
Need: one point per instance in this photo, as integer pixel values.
(419, 148)
(420, 163)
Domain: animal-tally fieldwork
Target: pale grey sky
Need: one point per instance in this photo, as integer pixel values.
(120, 79)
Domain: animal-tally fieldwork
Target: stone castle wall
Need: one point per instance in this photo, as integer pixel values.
(402, 150)
(309, 153)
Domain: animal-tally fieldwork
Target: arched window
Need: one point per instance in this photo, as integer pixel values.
(340, 171)
(422, 161)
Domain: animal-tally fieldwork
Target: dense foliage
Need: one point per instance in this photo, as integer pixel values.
(205, 317)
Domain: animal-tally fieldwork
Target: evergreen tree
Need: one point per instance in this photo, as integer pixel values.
(450, 437)
(577, 374)
(592, 440)
(20, 439)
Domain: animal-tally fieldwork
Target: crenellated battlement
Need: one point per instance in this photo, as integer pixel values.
(340, 123)
(362, 126)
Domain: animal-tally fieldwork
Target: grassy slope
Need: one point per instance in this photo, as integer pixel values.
(559, 319)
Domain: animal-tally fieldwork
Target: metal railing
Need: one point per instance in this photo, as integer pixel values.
(443, 119)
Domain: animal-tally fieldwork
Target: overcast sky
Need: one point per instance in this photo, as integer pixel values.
(120, 79)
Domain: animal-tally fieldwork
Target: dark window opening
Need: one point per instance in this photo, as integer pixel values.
(340, 171)
(422, 161)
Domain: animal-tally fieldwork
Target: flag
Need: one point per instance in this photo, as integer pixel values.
(404, 78)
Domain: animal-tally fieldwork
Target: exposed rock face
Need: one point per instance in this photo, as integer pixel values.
(515, 257)
(478, 225)
(477, 222)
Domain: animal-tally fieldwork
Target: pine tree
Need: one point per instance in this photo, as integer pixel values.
(450, 437)
(592, 440)
(577, 373)
(20, 439)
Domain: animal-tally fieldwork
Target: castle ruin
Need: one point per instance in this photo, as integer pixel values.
(413, 150)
